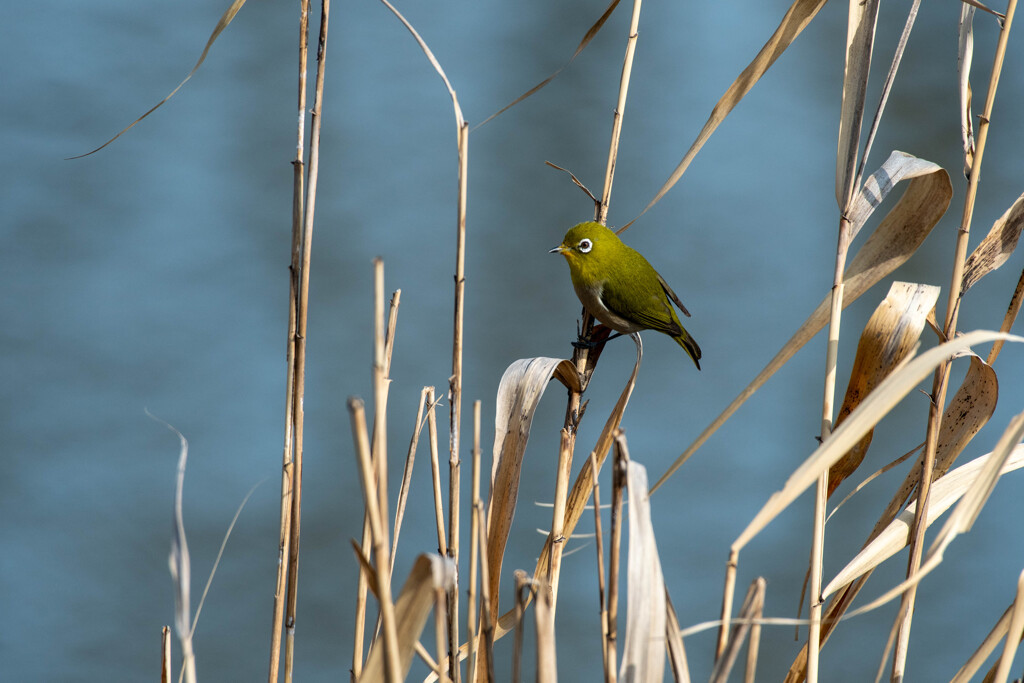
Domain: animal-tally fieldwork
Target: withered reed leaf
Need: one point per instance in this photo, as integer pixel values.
(971, 666)
(964, 58)
(890, 392)
(894, 241)
(860, 38)
(888, 338)
(995, 249)
(643, 654)
(429, 573)
(945, 492)
(225, 19)
(795, 20)
(591, 32)
(519, 392)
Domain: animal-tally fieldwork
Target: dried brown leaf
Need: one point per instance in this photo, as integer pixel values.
(860, 38)
(965, 55)
(995, 249)
(888, 338)
(894, 241)
(519, 392)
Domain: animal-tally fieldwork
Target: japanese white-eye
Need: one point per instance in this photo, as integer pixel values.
(620, 288)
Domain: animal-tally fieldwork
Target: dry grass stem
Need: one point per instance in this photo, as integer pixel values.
(410, 459)
(484, 669)
(521, 583)
(544, 614)
(435, 475)
(674, 638)
(165, 654)
(474, 546)
(601, 584)
(753, 606)
(1011, 315)
(556, 538)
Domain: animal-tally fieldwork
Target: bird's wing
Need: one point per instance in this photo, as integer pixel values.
(672, 295)
(665, 322)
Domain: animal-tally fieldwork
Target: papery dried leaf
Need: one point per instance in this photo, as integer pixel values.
(894, 241)
(643, 655)
(583, 486)
(796, 19)
(965, 55)
(429, 573)
(995, 249)
(676, 651)
(878, 404)
(888, 338)
(944, 493)
(519, 392)
(222, 24)
(971, 666)
(860, 38)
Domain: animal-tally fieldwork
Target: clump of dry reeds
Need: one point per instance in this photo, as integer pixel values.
(888, 366)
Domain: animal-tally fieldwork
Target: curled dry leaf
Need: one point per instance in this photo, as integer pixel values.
(860, 39)
(895, 239)
(519, 392)
(429, 573)
(643, 655)
(995, 249)
(888, 338)
(894, 538)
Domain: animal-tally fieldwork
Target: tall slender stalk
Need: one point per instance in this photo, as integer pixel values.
(940, 381)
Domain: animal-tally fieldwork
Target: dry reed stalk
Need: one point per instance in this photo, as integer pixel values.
(615, 540)
(599, 543)
(620, 108)
(440, 636)
(474, 547)
(543, 611)
(435, 475)
(1011, 315)
(372, 501)
(556, 537)
(410, 458)
(165, 654)
(288, 463)
(940, 382)
(750, 612)
(521, 582)
(486, 624)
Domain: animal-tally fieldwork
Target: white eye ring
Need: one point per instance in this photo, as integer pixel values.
(585, 245)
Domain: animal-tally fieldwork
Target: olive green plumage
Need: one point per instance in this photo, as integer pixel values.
(620, 288)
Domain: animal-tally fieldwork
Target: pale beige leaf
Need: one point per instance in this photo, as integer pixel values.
(1013, 634)
(971, 666)
(429, 573)
(584, 484)
(860, 38)
(222, 24)
(519, 392)
(796, 19)
(965, 55)
(894, 241)
(643, 655)
(944, 493)
(888, 338)
(995, 249)
(899, 166)
(890, 392)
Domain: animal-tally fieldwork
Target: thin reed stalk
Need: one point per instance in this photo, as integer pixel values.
(618, 486)
(599, 543)
(556, 536)
(940, 382)
(435, 475)
(486, 625)
(474, 545)
(410, 459)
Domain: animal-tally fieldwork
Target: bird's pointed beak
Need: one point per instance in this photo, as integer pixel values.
(557, 250)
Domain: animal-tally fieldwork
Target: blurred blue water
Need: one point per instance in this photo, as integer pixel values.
(153, 275)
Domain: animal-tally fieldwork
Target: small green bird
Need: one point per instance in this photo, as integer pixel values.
(620, 288)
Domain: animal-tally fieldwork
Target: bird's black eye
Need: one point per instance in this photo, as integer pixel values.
(585, 245)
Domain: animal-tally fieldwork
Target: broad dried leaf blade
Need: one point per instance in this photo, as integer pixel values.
(225, 19)
(888, 338)
(995, 249)
(795, 20)
(429, 573)
(890, 392)
(519, 392)
(643, 655)
(894, 241)
(944, 493)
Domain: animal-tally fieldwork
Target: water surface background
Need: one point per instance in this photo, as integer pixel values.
(154, 276)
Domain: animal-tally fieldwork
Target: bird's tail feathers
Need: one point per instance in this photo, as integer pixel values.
(688, 343)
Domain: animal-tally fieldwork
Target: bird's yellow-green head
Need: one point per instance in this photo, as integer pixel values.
(590, 248)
